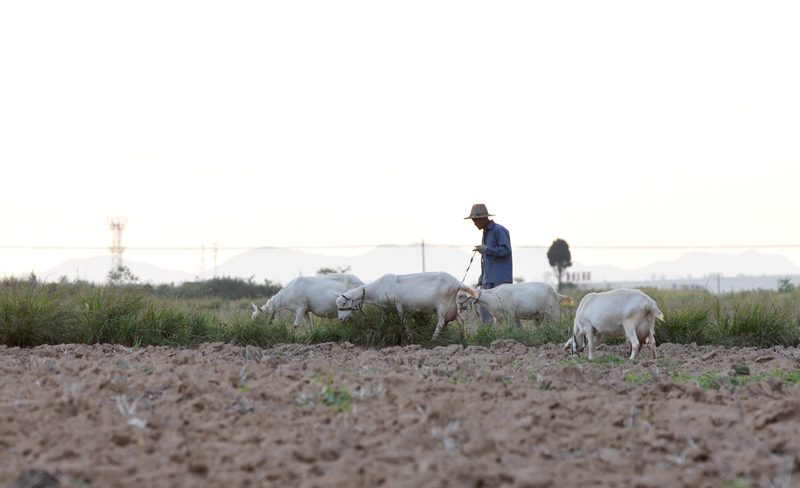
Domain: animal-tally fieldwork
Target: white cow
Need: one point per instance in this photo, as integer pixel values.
(518, 300)
(617, 313)
(309, 294)
(432, 292)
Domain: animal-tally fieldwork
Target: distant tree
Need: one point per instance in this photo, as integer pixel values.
(785, 285)
(121, 275)
(327, 271)
(560, 258)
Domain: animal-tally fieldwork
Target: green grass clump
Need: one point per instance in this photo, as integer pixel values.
(108, 315)
(381, 326)
(754, 323)
(31, 314)
(243, 330)
(526, 333)
(686, 323)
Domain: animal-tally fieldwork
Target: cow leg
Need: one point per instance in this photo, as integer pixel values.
(647, 325)
(300, 314)
(403, 318)
(590, 342)
(439, 326)
(630, 333)
(461, 331)
(652, 338)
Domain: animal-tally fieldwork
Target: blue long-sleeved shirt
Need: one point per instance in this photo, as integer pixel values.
(496, 265)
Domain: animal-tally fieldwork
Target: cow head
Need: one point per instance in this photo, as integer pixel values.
(465, 300)
(575, 344)
(256, 310)
(346, 303)
(269, 306)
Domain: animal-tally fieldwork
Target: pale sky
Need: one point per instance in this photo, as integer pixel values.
(335, 123)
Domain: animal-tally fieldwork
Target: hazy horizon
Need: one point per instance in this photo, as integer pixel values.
(745, 271)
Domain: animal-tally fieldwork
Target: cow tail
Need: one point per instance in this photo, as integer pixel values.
(469, 290)
(655, 311)
(565, 300)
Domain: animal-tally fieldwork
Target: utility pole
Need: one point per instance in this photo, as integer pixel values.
(423, 255)
(117, 225)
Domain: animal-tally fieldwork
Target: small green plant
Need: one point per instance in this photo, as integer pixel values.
(714, 380)
(791, 377)
(610, 359)
(455, 378)
(638, 378)
(338, 399)
(738, 483)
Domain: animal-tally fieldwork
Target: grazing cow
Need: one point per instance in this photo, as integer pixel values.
(309, 294)
(518, 301)
(432, 292)
(617, 313)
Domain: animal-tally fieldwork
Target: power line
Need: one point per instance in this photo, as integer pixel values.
(365, 246)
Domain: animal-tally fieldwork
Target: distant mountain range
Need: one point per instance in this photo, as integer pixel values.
(282, 265)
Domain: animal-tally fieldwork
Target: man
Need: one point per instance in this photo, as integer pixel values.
(495, 249)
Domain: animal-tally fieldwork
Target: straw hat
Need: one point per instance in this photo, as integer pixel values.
(479, 211)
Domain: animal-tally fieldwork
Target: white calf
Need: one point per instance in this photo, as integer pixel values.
(309, 294)
(518, 301)
(617, 313)
(433, 292)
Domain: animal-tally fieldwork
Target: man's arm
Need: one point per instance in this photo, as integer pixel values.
(503, 243)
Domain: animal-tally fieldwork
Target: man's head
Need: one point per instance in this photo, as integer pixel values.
(480, 216)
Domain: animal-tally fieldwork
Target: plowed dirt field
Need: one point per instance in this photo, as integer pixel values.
(335, 415)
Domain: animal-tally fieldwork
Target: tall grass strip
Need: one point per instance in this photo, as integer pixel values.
(32, 314)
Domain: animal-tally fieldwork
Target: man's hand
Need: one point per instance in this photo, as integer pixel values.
(481, 249)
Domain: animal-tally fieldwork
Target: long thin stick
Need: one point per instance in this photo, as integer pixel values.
(470, 264)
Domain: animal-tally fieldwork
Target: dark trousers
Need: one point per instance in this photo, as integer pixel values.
(486, 317)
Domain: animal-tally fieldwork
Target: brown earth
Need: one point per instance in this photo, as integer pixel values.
(502, 416)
